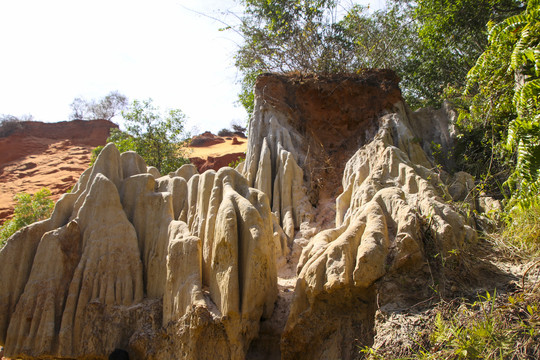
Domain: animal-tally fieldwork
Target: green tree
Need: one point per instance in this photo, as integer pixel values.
(29, 209)
(448, 37)
(285, 35)
(506, 78)
(157, 137)
(318, 36)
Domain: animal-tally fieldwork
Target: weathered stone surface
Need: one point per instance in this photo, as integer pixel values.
(388, 202)
(128, 245)
(45, 294)
(16, 259)
(188, 265)
(184, 288)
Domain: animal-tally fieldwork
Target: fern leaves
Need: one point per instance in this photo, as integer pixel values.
(513, 59)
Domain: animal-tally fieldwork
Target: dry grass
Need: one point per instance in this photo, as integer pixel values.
(521, 236)
(488, 325)
(492, 327)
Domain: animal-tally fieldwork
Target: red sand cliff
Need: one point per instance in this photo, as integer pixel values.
(51, 155)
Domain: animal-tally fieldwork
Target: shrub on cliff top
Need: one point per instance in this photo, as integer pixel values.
(157, 137)
(105, 108)
(10, 124)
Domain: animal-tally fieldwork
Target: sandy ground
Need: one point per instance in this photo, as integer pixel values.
(218, 149)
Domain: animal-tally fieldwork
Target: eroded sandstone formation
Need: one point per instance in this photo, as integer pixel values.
(187, 265)
(124, 246)
(306, 134)
(391, 198)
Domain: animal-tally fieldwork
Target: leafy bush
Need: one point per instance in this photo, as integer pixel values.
(157, 137)
(489, 329)
(95, 153)
(238, 129)
(234, 164)
(521, 236)
(29, 209)
(505, 84)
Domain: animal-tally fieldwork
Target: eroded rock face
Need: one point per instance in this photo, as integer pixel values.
(390, 198)
(185, 266)
(304, 129)
(306, 135)
(118, 251)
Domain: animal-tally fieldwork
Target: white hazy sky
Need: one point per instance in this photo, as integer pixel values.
(54, 51)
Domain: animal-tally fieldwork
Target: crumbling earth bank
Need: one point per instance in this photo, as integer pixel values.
(190, 265)
(51, 155)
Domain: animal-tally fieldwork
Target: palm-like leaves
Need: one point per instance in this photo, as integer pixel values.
(522, 33)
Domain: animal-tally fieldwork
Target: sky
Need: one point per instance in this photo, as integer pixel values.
(55, 51)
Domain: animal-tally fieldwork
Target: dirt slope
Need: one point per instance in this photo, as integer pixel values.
(209, 151)
(51, 155)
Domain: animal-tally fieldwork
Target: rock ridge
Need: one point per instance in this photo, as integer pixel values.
(254, 262)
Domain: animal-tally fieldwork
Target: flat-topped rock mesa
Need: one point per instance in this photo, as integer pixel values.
(245, 263)
(52, 155)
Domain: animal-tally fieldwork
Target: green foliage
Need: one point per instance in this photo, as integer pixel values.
(452, 35)
(505, 82)
(238, 128)
(522, 232)
(493, 327)
(95, 153)
(157, 137)
(246, 97)
(288, 35)
(285, 35)
(29, 209)
(226, 132)
(237, 162)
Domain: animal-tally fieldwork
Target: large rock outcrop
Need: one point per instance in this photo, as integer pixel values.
(391, 199)
(126, 257)
(309, 133)
(338, 183)
(304, 129)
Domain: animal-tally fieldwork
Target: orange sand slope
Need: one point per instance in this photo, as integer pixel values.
(51, 155)
(223, 148)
